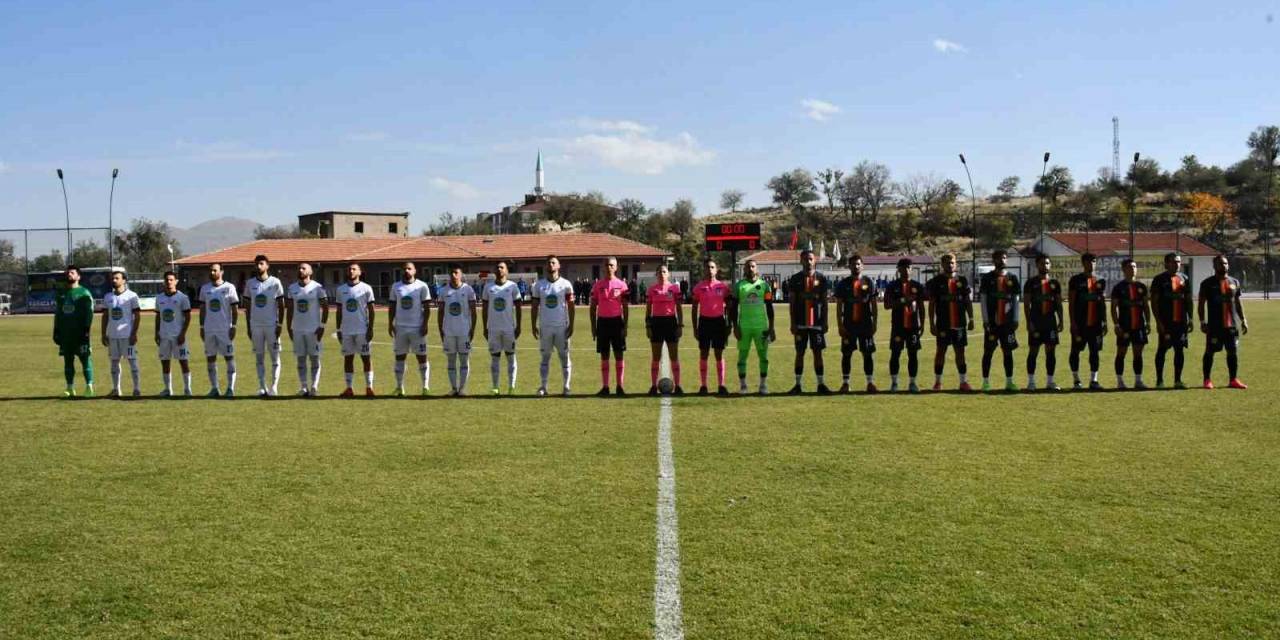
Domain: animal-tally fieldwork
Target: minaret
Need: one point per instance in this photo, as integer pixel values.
(537, 176)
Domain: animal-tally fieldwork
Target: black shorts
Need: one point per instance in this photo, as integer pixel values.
(1219, 339)
(815, 339)
(713, 333)
(1044, 333)
(1005, 336)
(953, 338)
(1174, 336)
(1091, 339)
(1137, 337)
(898, 339)
(860, 339)
(663, 329)
(609, 335)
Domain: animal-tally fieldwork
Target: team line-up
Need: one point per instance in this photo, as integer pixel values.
(744, 309)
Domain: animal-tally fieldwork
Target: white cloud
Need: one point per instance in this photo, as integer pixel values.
(819, 110)
(367, 136)
(454, 189)
(224, 151)
(632, 147)
(4, 168)
(623, 126)
(947, 46)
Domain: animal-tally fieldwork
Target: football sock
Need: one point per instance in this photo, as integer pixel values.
(720, 372)
(675, 371)
(702, 371)
(453, 371)
(604, 372)
(511, 370)
(619, 371)
(399, 369)
(231, 374)
(315, 373)
(424, 370)
(135, 374)
(368, 379)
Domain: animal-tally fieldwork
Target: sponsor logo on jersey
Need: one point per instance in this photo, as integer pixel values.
(455, 308)
(69, 308)
(215, 305)
(260, 300)
(302, 306)
(116, 313)
(499, 304)
(352, 305)
(168, 315)
(551, 301)
(406, 302)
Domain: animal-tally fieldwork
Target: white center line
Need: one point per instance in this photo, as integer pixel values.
(668, 616)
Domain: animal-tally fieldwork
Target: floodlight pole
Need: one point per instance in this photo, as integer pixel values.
(1043, 168)
(973, 216)
(111, 228)
(66, 206)
(1133, 202)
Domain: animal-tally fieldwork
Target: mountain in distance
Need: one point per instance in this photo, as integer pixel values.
(215, 234)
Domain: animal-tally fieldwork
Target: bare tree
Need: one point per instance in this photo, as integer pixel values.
(830, 181)
(731, 199)
(865, 192)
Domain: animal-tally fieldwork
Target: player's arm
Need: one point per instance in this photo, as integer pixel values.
(105, 317)
(516, 303)
(768, 310)
(323, 299)
(840, 293)
(1244, 322)
(1057, 310)
(693, 312)
(391, 319)
(186, 323)
(157, 332)
(368, 332)
(679, 315)
(484, 314)
(626, 311)
(1071, 307)
(1146, 312)
(247, 301)
(875, 312)
(339, 317)
(474, 317)
(573, 317)
(533, 311)
(288, 319)
(279, 313)
(137, 322)
(921, 312)
(440, 317)
(233, 314)
(1026, 299)
(731, 310)
(426, 310)
(592, 310)
(1149, 309)
(933, 311)
(1115, 310)
(1188, 308)
(1016, 306)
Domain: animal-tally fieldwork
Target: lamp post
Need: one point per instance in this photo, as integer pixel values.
(973, 216)
(111, 227)
(1133, 202)
(1043, 167)
(67, 208)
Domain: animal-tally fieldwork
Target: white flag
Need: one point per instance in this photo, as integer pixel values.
(835, 251)
(822, 253)
(170, 247)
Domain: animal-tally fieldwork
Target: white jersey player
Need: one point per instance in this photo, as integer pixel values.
(457, 323)
(407, 322)
(501, 310)
(355, 327)
(552, 321)
(306, 315)
(264, 311)
(173, 316)
(121, 317)
(218, 316)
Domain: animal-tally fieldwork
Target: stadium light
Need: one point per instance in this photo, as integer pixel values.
(66, 206)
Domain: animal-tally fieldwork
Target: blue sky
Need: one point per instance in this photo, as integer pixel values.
(268, 110)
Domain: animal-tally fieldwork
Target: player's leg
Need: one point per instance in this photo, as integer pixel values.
(704, 352)
(165, 378)
(939, 361)
(867, 345)
(258, 339)
(895, 360)
(744, 353)
(962, 366)
(802, 344)
(603, 327)
(211, 367)
(619, 364)
(1163, 345)
(913, 365)
(348, 365)
(673, 353)
(1033, 354)
(1206, 363)
(761, 341)
(273, 350)
(184, 365)
(366, 359)
(114, 353)
(847, 347)
(1179, 359)
(400, 350)
(464, 364)
(655, 360)
(69, 371)
(566, 361)
(509, 345)
(1073, 359)
(315, 354)
(544, 366)
(719, 351)
(1137, 365)
(1050, 365)
(989, 343)
(300, 361)
(817, 343)
(1122, 350)
(1095, 359)
(495, 366)
(1233, 360)
(135, 374)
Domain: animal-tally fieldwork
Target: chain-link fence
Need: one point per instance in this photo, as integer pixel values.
(32, 261)
(1146, 235)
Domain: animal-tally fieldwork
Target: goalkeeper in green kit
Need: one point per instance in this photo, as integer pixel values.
(751, 313)
(72, 320)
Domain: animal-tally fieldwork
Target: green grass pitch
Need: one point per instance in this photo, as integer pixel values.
(1109, 515)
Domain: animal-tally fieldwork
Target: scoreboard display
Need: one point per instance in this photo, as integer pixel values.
(734, 236)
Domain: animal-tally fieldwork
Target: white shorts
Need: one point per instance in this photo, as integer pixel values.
(410, 340)
(120, 348)
(503, 341)
(171, 350)
(264, 339)
(305, 343)
(218, 344)
(456, 344)
(553, 338)
(355, 344)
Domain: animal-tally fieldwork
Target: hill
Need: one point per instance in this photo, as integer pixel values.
(215, 234)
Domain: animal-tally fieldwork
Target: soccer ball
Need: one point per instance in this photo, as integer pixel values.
(666, 386)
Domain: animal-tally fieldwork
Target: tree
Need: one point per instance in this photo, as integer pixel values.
(829, 181)
(933, 199)
(9, 260)
(1207, 211)
(1264, 144)
(1195, 177)
(865, 193)
(1008, 189)
(731, 199)
(52, 261)
(280, 232)
(1054, 184)
(631, 216)
(144, 248)
(793, 189)
(1146, 176)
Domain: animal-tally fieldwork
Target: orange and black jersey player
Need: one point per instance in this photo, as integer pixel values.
(856, 318)
(1131, 315)
(1042, 306)
(1221, 320)
(998, 297)
(809, 291)
(1087, 308)
(950, 318)
(904, 298)
(1172, 306)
